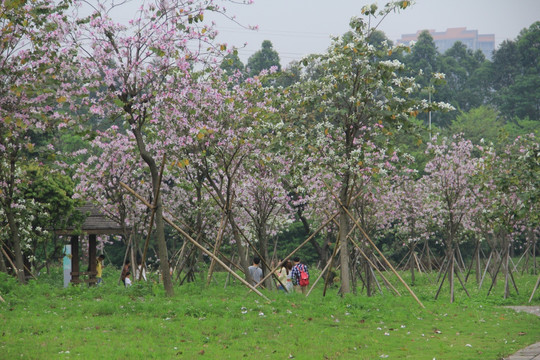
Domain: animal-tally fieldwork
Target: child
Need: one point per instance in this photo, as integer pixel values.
(99, 269)
(127, 280)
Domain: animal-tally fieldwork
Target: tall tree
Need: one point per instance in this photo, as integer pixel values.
(131, 70)
(460, 64)
(361, 100)
(516, 72)
(423, 56)
(263, 59)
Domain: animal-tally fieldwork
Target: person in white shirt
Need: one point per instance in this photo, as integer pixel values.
(127, 280)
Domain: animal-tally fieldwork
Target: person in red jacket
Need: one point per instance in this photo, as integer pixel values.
(298, 278)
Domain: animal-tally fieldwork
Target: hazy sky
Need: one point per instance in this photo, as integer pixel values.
(300, 27)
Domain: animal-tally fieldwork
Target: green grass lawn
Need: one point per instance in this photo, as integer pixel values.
(44, 321)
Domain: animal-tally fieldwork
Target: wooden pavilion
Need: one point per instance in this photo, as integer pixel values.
(95, 223)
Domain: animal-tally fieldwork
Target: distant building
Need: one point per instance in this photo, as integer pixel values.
(445, 40)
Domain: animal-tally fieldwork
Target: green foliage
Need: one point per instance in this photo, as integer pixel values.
(423, 56)
(263, 59)
(516, 70)
(518, 127)
(232, 63)
(482, 124)
(291, 239)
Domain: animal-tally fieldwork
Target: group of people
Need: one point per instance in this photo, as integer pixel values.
(126, 272)
(292, 275)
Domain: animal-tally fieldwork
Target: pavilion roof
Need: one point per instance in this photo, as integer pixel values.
(95, 223)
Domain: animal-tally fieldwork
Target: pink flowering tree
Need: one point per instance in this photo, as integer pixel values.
(357, 99)
(30, 55)
(452, 193)
(109, 161)
(508, 180)
(218, 138)
(128, 71)
(262, 197)
(403, 214)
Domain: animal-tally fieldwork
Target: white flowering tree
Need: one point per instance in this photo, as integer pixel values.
(30, 54)
(358, 99)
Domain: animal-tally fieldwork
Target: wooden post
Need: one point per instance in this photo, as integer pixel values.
(75, 262)
(374, 266)
(216, 247)
(376, 248)
(92, 260)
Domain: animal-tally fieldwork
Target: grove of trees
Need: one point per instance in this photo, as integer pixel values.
(252, 160)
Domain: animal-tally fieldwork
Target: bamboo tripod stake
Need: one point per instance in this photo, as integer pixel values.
(364, 255)
(378, 251)
(250, 244)
(202, 248)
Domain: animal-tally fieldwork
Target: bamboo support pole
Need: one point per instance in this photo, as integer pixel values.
(319, 277)
(375, 267)
(376, 281)
(535, 288)
(485, 270)
(216, 247)
(272, 273)
(14, 267)
(250, 244)
(125, 257)
(202, 248)
(332, 257)
(475, 258)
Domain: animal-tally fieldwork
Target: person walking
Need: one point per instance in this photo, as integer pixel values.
(284, 275)
(255, 272)
(300, 276)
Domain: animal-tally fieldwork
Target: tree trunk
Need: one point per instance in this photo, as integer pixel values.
(19, 262)
(160, 224)
(3, 267)
(263, 250)
(411, 264)
(320, 251)
(343, 240)
(244, 264)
